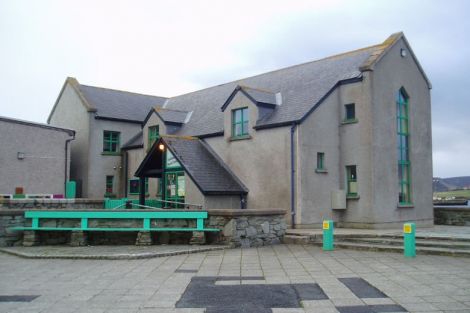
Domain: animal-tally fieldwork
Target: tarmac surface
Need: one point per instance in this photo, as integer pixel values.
(278, 279)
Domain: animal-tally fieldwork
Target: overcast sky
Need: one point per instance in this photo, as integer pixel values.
(173, 47)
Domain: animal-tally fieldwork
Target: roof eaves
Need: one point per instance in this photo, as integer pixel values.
(115, 119)
(132, 147)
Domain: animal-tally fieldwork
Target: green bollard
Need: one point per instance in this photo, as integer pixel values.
(409, 240)
(328, 235)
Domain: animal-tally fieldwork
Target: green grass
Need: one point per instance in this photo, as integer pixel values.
(454, 193)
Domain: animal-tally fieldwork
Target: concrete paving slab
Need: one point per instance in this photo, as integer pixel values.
(424, 284)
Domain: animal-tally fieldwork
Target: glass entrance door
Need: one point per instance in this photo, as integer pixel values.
(174, 191)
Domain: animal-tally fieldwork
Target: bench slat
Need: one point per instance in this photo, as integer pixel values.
(114, 214)
(158, 229)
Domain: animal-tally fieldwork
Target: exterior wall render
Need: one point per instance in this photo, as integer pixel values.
(343, 144)
(101, 165)
(153, 120)
(261, 162)
(391, 73)
(42, 170)
(71, 113)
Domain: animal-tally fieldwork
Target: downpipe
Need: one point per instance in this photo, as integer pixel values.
(67, 141)
(292, 176)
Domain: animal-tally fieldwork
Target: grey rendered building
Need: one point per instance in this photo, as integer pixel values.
(347, 137)
(33, 156)
(103, 120)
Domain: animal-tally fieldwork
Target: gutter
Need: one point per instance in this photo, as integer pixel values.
(292, 175)
(66, 161)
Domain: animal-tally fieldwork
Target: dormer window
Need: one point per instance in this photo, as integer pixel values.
(240, 122)
(153, 135)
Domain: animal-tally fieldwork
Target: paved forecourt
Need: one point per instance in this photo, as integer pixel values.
(283, 278)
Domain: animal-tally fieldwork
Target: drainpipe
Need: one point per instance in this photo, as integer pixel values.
(66, 160)
(126, 178)
(292, 175)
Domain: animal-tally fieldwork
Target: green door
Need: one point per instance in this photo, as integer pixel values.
(174, 191)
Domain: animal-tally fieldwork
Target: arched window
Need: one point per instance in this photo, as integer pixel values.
(403, 144)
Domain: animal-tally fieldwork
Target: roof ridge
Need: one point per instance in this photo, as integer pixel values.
(284, 68)
(124, 91)
(166, 109)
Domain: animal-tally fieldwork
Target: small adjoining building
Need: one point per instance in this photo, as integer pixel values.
(34, 157)
(347, 138)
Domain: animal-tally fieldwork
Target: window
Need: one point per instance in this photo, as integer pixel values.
(351, 180)
(240, 122)
(109, 184)
(134, 187)
(349, 112)
(171, 161)
(111, 141)
(153, 135)
(403, 146)
(320, 161)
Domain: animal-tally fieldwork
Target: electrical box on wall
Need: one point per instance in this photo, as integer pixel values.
(338, 200)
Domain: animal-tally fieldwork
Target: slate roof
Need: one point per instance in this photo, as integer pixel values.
(116, 104)
(135, 142)
(301, 87)
(172, 116)
(261, 96)
(207, 170)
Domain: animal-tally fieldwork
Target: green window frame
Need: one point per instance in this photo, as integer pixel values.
(153, 135)
(109, 184)
(403, 147)
(134, 186)
(240, 122)
(351, 178)
(320, 160)
(349, 112)
(111, 141)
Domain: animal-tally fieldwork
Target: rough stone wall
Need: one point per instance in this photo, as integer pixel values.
(7, 236)
(249, 231)
(456, 216)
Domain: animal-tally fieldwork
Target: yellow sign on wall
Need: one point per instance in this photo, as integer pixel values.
(407, 228)
(326, 225)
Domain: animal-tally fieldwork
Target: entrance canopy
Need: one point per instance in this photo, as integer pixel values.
(205, 168)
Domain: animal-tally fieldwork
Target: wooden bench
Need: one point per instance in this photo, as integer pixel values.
(85, 216)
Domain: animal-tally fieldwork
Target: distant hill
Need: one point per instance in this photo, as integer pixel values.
(451, 183)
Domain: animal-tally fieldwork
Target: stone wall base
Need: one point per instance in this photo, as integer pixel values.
(144, 238)
(78, 238)
(198, 238)
(455, 216)
(30, 238)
